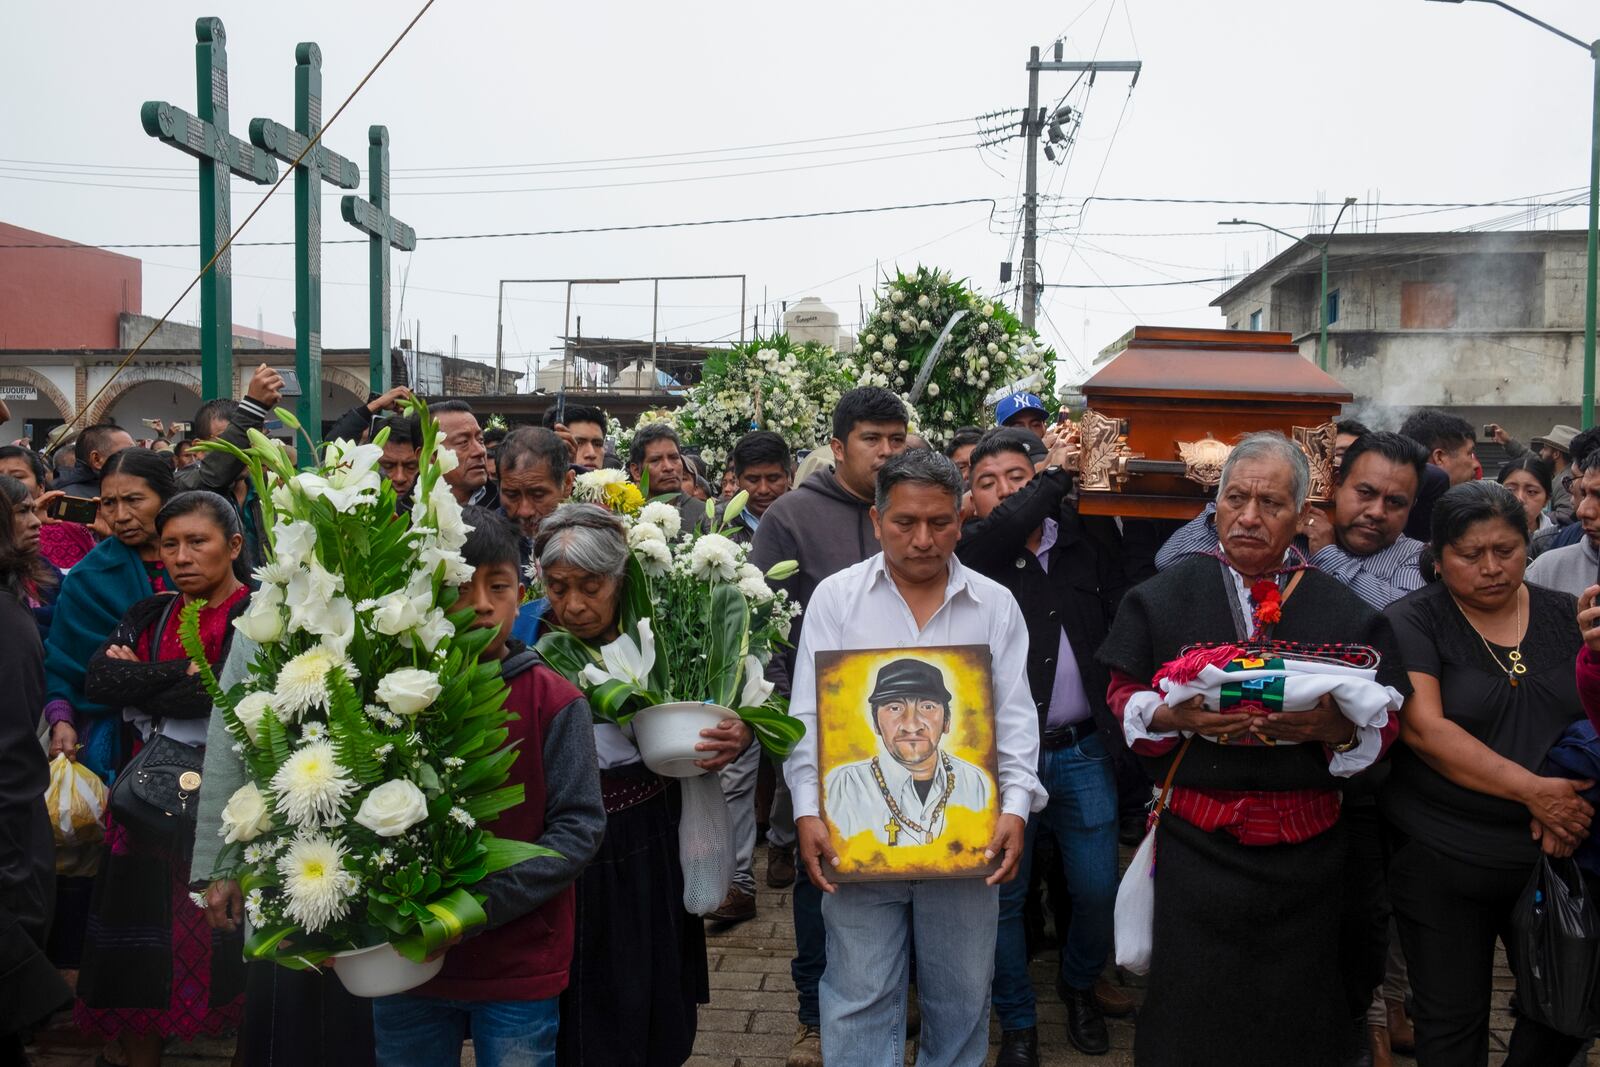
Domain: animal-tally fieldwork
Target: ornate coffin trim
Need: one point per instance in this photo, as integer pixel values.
(1203, 460)
(1317, 443)
(1103, 451)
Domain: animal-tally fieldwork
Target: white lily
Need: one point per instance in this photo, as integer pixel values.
(625, 660)
(756, 687)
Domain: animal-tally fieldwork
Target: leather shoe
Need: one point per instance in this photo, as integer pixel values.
(1402, 1037)
(780, 867)
(807, 1048)
(1018, 1048)
(1378, 1038)
(1111, 1000)
(737, 907)
(1086, 1026)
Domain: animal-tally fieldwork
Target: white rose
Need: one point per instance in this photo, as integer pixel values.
(245, 817)
(250, 711)
(262, 622)
(933, 389)
(993, 348)
(925, 324)
(889, 342)
(983, 327)
(408, 690)
(393, 808)
(871, 339)
(923, 301)
(896, 295)
(904, 365)
(887, 316)
(988, 309)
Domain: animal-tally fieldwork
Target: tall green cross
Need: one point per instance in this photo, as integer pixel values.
(319, 164)
(373, 218)
(221, 156)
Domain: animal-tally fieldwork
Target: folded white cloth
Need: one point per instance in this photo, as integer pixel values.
(1356, 692)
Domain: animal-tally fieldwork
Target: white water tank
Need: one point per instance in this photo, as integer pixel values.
(811, 320)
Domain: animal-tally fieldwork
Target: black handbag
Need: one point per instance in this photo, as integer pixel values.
(158, 792)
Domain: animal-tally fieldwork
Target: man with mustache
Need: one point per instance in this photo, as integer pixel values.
(910, 711)
(1250, 884)
(1365, 546)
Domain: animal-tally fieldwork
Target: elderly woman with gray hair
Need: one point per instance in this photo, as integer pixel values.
(639, 959)
(1245, 964)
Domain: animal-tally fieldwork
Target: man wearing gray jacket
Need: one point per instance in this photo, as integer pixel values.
(1576, 567)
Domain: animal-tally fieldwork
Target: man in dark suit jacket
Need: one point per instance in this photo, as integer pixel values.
(1067, 574)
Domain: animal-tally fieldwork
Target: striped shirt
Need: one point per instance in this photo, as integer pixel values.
(1379, 579)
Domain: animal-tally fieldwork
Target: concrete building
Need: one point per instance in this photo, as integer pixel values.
(1488, 325)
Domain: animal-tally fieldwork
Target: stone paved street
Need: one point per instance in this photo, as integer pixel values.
(750, 1021)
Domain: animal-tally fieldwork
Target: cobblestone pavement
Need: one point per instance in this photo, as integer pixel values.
(750, 1021)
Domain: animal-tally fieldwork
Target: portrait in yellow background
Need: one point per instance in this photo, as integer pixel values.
(906, 760)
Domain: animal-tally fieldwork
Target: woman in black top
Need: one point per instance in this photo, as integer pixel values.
(1490, 659)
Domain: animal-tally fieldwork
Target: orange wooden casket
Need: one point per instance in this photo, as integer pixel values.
(1164, 413)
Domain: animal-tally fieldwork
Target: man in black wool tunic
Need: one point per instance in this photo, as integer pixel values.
(1245, 964)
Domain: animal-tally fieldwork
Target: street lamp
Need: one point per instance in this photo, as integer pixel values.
(1322, 314)
(1589, 303)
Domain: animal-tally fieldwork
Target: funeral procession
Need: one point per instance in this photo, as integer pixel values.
(844, 535)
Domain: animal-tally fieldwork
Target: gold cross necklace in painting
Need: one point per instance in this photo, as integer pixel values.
(1518, 668)
(898, 818)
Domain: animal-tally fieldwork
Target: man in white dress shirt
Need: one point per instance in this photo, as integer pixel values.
(904, 792)
(913, 594)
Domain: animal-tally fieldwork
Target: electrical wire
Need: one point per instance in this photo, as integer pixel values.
(549, 233)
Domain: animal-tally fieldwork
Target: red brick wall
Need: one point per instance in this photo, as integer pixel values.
(62, 297)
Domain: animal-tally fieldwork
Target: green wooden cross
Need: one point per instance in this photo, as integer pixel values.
(316, 166)
(373, 218)
(221, 156)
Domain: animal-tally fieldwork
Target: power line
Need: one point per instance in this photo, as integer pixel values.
(550, 233)
(1297, 203)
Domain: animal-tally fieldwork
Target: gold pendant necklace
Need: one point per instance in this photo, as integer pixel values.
(1518, 668)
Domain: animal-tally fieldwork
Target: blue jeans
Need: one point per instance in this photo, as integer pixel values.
(872, 929)
(1082, 814)
(428, 1031)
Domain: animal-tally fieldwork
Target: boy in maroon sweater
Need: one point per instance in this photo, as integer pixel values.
(502, 986)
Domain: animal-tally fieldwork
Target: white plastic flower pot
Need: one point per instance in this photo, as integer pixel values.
(380, 971)
(667, 733)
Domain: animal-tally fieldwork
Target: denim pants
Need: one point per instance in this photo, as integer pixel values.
(739, 790)
(1082, 814)
(872, 928)
(810, 947)
(417, 1031)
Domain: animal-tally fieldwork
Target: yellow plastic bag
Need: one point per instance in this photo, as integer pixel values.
(76, 800)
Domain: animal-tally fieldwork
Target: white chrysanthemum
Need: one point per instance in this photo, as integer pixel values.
(312, 732)
(664, 515)
(714, 558)
(753, 583)
(642, 531)
(303, 682)
(462, 816)
(654, 557)
(317, 887)
(311, 787)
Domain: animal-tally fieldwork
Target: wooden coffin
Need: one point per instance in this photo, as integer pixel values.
(1163, 415)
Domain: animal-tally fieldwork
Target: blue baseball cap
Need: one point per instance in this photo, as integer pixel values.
(1011, 406)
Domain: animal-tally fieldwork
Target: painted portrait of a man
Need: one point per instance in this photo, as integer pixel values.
(904, 792)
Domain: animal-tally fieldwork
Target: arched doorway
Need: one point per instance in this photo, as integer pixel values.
(337, 398)
(139, 404)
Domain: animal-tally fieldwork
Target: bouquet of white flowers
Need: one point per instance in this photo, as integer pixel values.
(698, 624)
(770, 383)
(987, 347)
(373, 739)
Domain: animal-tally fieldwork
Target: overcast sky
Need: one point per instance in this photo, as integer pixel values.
(1387, 100)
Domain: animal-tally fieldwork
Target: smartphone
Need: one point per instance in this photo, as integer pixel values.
(1488, 431)
(291, 383)
(82, 510)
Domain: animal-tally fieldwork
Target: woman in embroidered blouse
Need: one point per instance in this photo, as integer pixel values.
(63, 544)
(129, 988)
(97, 592)
(1490, 659)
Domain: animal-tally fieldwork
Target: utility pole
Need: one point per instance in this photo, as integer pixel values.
(1033, 120)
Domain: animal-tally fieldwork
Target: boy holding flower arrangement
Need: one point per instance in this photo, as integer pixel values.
(504, 987)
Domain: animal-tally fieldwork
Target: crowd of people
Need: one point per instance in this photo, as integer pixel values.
(1331, 882)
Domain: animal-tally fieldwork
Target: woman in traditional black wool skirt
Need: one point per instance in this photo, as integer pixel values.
(639, 958)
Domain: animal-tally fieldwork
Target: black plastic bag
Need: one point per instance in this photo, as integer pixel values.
(1555, 950)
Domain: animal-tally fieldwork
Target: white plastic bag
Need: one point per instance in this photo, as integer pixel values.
(76, 800)
(705, 843)
(1136, 908)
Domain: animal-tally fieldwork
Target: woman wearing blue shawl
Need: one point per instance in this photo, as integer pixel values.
(96, 594)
